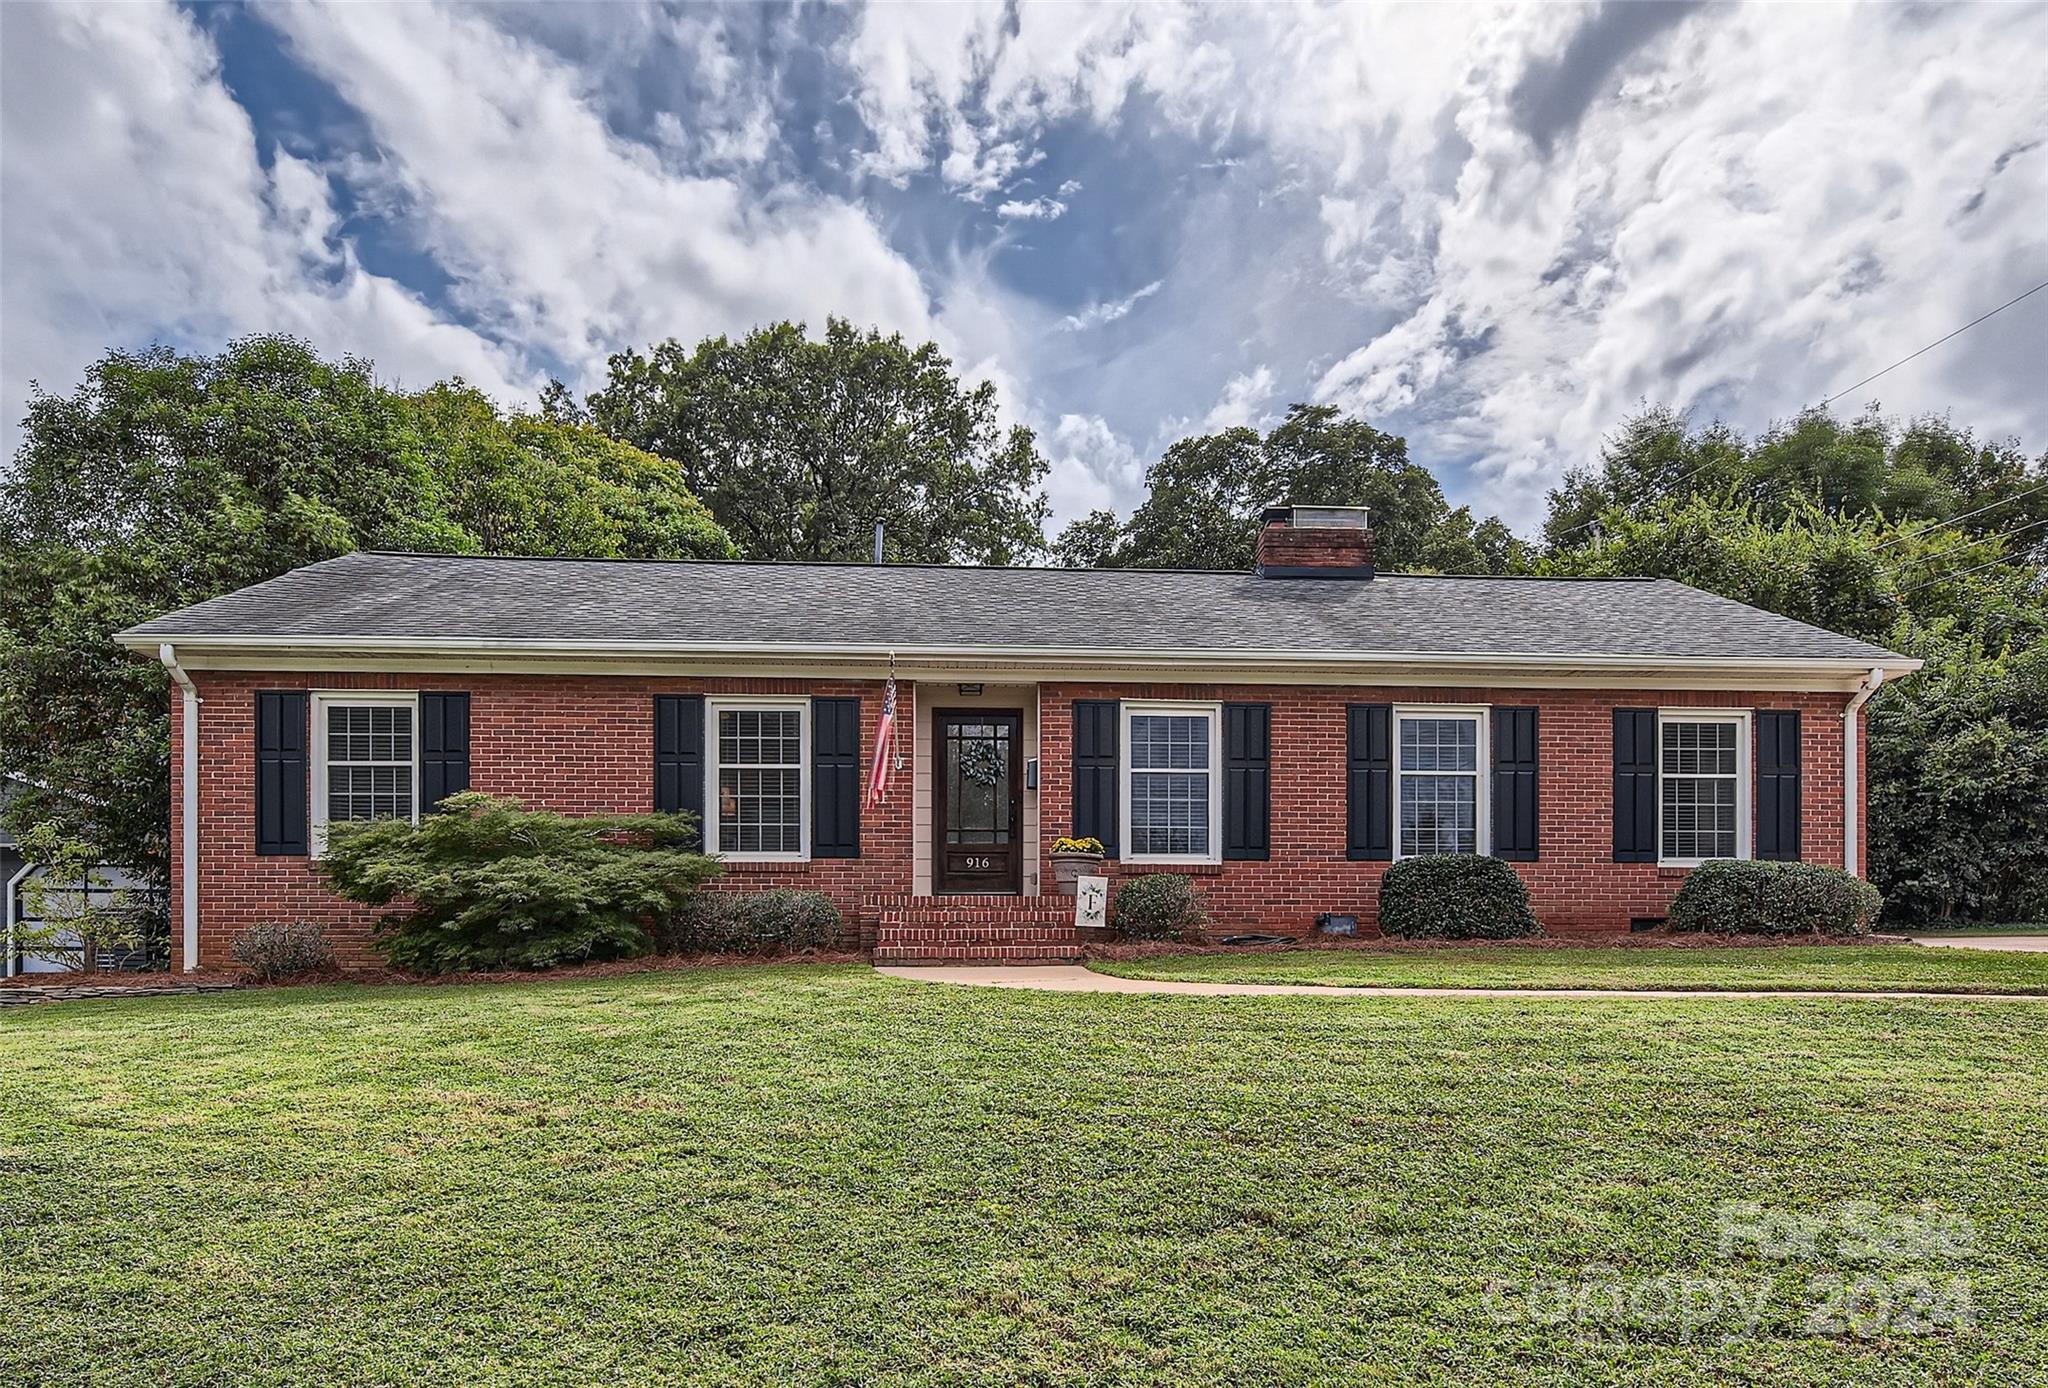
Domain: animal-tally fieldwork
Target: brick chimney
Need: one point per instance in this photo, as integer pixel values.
(1315, 541)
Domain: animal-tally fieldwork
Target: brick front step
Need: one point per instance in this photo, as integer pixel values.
(978, 930)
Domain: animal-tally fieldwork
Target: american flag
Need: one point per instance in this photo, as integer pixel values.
(878, 778)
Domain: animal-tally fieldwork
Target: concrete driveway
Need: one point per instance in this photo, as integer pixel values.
(2024, 944)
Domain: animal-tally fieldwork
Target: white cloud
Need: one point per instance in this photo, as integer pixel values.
(1037, 210)
(1091, 467)
(1108, 312)
(562, 236)
(137, 210)
(1242, 401)
(1548, 213)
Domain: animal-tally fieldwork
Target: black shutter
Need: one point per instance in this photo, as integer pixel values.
(1247, 780)
(280, 773)
(444, 748)
(679, 755)
(1777, 784)
(1095, 788)
(1369, 782)
(835, 778)
(1635, 785)
(1514, 784)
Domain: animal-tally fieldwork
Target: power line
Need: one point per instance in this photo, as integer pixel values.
(1584, 525)
(1947, 578)
(1937, 342)
(1937, 524)
(1977, 539)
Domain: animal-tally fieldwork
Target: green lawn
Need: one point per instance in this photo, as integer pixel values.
(1836, 968)
(820, 1175)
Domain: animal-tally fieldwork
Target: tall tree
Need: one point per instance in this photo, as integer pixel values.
(166, 479)
(1926, 469)
(1958, 753)
(800, 446)
(1204, 496)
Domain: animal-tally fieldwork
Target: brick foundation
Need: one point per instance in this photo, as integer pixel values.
(583, 745)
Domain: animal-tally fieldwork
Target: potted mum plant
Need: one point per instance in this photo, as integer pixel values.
(1073, 859)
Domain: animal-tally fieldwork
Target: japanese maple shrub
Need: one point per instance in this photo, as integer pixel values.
(489, 884)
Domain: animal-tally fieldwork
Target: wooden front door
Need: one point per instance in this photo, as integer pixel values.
(977, 801)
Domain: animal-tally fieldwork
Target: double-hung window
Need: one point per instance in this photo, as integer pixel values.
(1172, 808)
(1702, 786)
(1440, 788)
(759, 783)
(365, 759)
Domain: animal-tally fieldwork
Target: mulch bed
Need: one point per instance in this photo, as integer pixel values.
(1643, 939)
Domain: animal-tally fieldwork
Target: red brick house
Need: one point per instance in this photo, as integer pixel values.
(1280, 735)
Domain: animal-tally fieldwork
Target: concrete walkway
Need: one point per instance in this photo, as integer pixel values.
(2023, 944)
(1074, 978)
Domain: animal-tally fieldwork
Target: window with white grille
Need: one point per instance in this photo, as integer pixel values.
(1701, 795)
(759, 773)
(366, 752)
(1440, 791)
(1172, 809)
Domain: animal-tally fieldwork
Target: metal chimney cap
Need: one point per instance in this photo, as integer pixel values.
(1318, 517)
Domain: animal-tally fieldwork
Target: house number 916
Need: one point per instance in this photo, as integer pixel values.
(980, 863)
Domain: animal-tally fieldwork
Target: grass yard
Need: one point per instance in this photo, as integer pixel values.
(821, 1175)
(1833, 968)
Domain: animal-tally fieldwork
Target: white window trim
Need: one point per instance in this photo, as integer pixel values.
(717, 705)
(316, 717)
(1214, 712)
(1482, 837)
(1740, 717)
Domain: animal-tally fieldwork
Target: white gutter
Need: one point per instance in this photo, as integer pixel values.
(1850, 798)
(14, 883)
(188, 816)
(1175, 657)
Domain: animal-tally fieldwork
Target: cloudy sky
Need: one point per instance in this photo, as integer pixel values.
(1493, 230)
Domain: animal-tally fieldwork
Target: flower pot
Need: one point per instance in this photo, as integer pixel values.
(1069, 868)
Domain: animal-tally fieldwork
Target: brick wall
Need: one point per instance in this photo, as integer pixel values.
(583, 744)
(1574, 884)
(579, 744)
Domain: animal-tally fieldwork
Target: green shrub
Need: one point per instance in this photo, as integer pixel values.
(277, 950)
(1455, 897)
(1158, 906)
(490, 884)
(1739, 898)
(777, 921)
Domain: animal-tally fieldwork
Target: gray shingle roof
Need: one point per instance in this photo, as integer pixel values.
(408, 596)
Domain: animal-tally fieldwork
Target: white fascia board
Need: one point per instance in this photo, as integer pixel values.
(486, 654)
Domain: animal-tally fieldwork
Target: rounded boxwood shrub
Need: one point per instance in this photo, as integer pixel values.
(775, 921)
(1455, 897)
(1744, 898)
(1158, 906)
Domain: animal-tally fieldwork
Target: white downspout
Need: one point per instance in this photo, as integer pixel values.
(188, 821)
(12, 888)
(1851, 801)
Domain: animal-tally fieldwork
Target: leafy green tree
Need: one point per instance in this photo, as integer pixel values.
(1958, 753)
(1927, 469)
(800, 446)
(1958, 790)
(1204, 497)
(168, 478)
